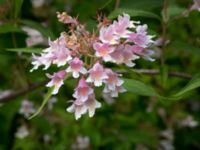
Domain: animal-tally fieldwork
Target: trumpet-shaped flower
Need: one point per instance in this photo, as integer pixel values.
(114, 93)
(76, 67)
(83, 90)
(103, 50)
(97, 74)
(107, 35)
(124, 54)
(113, 84)
(112, 81)
(56, 80)
(121, 26)
(79, 107)
(141, 38)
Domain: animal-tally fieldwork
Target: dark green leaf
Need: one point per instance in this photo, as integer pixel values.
(133, 13)
(18, 5)
(7, 28)
(183, 46)
(43, 30)
(174, 10)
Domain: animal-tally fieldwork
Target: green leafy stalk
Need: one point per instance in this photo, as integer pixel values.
(47, 97)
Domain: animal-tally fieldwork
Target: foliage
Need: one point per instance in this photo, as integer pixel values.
(158, 101)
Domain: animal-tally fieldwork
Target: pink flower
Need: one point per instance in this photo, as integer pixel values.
(113, 84)
(112, 81)
(107, 35)
(60, 51)
(56, 80)
(141, 38)
(83, 91)
(79, 107)
(27, 108)
(121, 26)
(124, 54)
(129, 56)
(145, 53)
(103, 50)
(117, 55)
(114, 93)
(196, 5)
(76, 67)
(45, 60)
(62, 56)
(97, 74)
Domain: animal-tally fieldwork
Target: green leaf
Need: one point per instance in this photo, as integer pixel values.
(141, 88)
(174, 10)
(18, 5)
(133, 13)
(138, 87)
(25, 50)
(193, 84)
(142, 4)
(43, 30)
(7, 28)
(48, 95)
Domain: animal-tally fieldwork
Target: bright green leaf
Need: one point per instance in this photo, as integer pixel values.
(48, 95)
(193, 84)
(141, 88)
(26, 50)
(138, 87)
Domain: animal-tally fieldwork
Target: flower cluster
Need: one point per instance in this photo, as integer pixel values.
(83, 55)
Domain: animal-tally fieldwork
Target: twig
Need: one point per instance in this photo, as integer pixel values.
(117, 3)
(21, 92)
(164, 31)
(157, 72)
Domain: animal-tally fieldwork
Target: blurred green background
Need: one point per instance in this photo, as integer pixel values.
(128, 122)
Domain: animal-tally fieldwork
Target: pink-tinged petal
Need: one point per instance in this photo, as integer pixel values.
(97, 74)
(75, 74)
(137, 49)
(56, 80)
(121, 26)
(83, 70)
(92, 104)
(76, 67)
(117, 55)
(103, 50)
(129, 56)
(141, 38)
(107, 35)
(62, 56)
(79, 107)
(82, 91)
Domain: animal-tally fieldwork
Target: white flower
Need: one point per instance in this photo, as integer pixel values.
(27, 108)
(22, 132)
